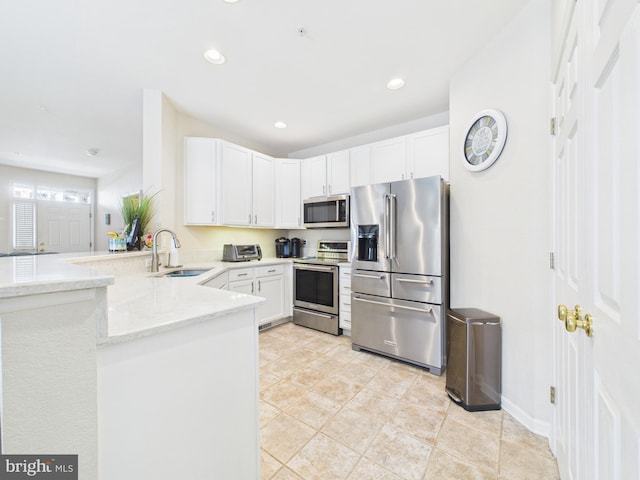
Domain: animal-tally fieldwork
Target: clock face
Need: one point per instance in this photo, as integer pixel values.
(485, 140)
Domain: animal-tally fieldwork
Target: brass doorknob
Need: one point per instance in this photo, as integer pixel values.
(573, 319)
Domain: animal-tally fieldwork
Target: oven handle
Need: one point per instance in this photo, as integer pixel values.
(319, 268)
(362, 275)
(319, 314)
(421, 310)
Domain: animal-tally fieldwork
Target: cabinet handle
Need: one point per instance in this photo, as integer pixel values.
(213, 216)
(255, 219)
(329, 188)
(249, 219)
(270, 271)
(259, 286)
(251, 287)
(243, 274)
(324, 189)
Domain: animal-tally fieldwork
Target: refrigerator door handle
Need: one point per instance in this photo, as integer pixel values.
(387, 209)
(421, 282)
(362, 275)
(421, 310)
(392, 226)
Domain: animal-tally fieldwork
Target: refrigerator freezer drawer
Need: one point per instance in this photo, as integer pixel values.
(419, 288)
(409, 331)
(372, 283)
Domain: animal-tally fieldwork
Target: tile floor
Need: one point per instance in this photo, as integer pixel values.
(328, 412)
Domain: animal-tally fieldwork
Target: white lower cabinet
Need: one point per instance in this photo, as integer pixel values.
(268, 282)
(345, 298)
(220, 281)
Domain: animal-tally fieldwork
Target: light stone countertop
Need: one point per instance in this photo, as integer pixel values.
(139, 303)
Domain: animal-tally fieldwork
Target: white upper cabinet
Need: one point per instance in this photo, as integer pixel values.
(360, 165)
(326, 175)
(428, 153)
(315, 176)
(288, 193)
(236, 184)
(338, 173)
(388, 160)
(263, 198)
(248, 193)
(200, 181)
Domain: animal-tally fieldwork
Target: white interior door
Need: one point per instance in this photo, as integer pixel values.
(596, 426)
(63, 227)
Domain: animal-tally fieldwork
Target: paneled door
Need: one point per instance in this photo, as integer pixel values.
(595, 173)
(63, 227)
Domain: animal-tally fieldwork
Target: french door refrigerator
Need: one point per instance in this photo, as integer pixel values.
(400, 270)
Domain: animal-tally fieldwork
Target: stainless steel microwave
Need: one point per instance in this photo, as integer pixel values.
(326, 212)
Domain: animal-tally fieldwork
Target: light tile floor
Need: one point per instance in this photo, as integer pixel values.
(328, 412)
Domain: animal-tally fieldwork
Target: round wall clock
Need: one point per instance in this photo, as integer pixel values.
(485, 140)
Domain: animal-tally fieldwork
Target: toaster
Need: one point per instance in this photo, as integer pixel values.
(241, 253)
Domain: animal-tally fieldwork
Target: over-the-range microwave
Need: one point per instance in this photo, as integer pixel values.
(326, 212)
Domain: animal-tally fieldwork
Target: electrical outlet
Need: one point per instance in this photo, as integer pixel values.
(552, 395)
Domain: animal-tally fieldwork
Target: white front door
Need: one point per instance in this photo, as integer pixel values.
(596, 152)
(63, 227)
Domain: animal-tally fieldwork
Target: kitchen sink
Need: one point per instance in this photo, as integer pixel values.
(186, 272)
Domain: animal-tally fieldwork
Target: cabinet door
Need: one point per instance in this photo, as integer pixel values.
(288, 198)
(389, 160)
(236, 185)
(263, 199)
(338, 173)
(428, 153)
(272, 289)
(316, 176)
(220, 281)
(200, 189)
(360, 165)
(243, 286)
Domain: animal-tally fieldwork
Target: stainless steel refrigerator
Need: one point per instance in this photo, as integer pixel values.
(400, 276)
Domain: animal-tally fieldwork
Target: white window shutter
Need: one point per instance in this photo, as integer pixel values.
(24, 226)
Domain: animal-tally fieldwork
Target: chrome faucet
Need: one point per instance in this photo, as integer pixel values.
(155, 260)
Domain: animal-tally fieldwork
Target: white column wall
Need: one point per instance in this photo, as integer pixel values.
(499, 217)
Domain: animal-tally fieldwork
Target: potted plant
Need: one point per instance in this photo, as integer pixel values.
(142, 208)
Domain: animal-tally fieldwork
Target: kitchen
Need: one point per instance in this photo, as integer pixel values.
(484, 251)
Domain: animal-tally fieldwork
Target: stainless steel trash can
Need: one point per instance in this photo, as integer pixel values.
(474, 359)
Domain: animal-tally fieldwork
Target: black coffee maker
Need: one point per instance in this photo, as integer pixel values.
(283, 247)
(296, 248)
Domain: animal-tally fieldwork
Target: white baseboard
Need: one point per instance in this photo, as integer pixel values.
(537, 426)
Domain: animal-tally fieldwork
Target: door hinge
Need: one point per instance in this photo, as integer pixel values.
(552, 260)
(90, 244)
(552, 125)
(552, 395)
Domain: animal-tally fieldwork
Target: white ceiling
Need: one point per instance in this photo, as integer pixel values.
(72, 71)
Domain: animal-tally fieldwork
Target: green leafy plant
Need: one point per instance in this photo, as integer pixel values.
(138, 206)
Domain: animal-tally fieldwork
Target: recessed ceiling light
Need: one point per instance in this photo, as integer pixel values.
(214, 56)
(395, 84)
(280, 125)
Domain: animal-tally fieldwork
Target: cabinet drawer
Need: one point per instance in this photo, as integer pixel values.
(240, 274)
(269, 270)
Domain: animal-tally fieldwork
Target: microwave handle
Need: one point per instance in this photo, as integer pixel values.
(338, 210)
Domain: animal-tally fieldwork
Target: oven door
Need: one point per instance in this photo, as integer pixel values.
(316, 287)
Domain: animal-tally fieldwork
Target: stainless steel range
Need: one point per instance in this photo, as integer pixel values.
(315, 287)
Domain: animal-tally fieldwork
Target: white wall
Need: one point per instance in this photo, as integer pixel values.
(499, 217)
(9, 175)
